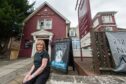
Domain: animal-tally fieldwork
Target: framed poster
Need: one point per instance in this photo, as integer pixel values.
(60, 58)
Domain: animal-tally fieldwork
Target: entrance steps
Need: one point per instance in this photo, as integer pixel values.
(14, 74)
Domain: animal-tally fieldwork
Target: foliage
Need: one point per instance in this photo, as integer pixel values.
(12, 14)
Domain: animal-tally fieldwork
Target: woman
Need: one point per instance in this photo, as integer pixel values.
(40, 70)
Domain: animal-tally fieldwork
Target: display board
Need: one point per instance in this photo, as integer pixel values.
(62, 56)
(117, 43)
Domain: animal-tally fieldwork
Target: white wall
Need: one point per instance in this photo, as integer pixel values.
(76, 52)
(86, 53)
(86, 41)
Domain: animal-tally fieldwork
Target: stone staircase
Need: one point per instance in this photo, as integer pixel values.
(14, 74)
(69, 79)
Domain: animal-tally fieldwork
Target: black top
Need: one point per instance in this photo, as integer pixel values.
(38, 58)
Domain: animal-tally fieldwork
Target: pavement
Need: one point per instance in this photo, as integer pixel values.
(13, 70)
(4, 62)
(14, 73)
(85, 66)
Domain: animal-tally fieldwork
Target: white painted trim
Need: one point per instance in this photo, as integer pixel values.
(105, 26)
(42, 34)
(33, 47)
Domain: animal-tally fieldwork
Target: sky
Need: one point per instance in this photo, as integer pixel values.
(67, 9)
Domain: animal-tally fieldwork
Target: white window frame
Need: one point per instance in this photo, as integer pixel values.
(107, 19)
(45, 22)
(72, 32)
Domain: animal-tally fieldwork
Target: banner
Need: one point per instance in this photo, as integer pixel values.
(60, 59)
(117, 42)
(84, 17)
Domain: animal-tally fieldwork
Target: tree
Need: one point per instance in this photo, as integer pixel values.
(12, 14)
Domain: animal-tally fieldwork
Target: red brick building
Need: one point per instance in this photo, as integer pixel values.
(105, 21)
(44, 23)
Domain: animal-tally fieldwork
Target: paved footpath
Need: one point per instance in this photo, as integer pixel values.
(13, 70)
(14, 74)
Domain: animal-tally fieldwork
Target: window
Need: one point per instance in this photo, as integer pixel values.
(108, 29)
(41, 25)
(107, 19)
(44, 24)
(76, 44)
(72, 33)
(28, 44)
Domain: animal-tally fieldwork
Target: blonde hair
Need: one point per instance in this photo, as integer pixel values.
(42, 42)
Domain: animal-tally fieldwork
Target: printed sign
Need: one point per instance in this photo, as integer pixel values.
(84, 17)
(117, 42)
(60, 58)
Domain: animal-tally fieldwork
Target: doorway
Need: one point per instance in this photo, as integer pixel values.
(46, 43)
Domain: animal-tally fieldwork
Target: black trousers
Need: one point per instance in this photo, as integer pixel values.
(41, 78)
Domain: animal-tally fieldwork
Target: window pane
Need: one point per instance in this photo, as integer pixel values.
(48, 23)
(107, 19)
(42, 25)
(72, 33)
(76, 44)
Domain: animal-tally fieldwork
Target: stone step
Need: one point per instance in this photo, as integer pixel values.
(14, 74)
(11, 71)
(70, 79)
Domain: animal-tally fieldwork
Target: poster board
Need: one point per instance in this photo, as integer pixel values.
(117, 43)
(62, 56)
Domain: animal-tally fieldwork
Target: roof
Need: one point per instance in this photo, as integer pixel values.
(40, 7)
(122, 29)
(106, 12)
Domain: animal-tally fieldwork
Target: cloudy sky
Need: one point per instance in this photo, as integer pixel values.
(67, 8)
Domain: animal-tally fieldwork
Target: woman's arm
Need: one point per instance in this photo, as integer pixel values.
(28, 74)
(41, 68)
(31, 69)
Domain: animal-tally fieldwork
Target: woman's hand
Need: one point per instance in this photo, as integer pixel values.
(30, 77)
(26, 78)
(28, 74)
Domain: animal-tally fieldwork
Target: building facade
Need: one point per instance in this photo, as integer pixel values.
(105, 21)
(74, 35)
(44, 23)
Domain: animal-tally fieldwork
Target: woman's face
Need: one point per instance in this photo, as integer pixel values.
(39, 46)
